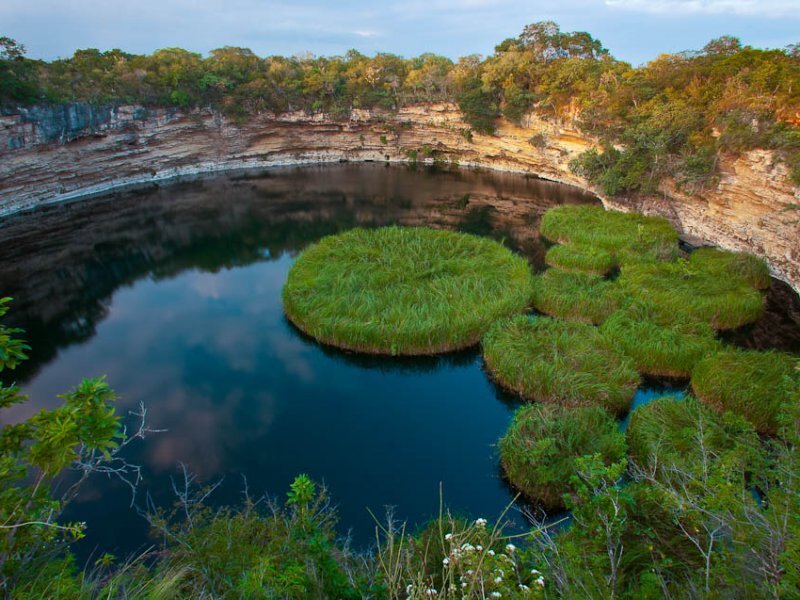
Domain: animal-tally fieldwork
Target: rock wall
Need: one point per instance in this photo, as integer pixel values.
(57, 154)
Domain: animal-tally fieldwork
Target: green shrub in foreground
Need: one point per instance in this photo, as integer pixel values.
(697, 289)
(759, 386)
(576, 296)
(401, 290)
(657, 348)
(580, 258)
(539, 449)
(559, 362)
(675, 437)
(630, 237)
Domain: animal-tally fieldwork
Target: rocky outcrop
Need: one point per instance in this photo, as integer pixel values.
(53, 155)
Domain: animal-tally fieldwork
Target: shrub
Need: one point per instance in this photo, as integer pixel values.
(402, 290)
(676, 436)
(656, 347)
(581, 258)
(756, 385)
(560, 362)
(576, 296)
(701, 289)
(539, 449)
(629, 237)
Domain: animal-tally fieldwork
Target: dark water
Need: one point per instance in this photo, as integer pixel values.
(173, 293)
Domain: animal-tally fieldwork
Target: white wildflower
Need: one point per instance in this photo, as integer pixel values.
(496, 595)
(448, 536)
(481, 522)
(510, 548)
(498, 579)
(524, 587)
(540, 581)
(491, 552)
(445, 561)
(535, 572)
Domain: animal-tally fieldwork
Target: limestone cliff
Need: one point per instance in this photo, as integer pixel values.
(65, 153)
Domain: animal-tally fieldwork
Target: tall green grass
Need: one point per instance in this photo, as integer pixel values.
(576, 296)
(699, 289)
(659, 347)
(580, 258)
(539, 449)
(672, 437)
(405, 291)
(741, 266)
(629, 237)
(762, 387)
(559, 362)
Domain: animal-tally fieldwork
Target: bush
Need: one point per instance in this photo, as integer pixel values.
(659, 348)
(402, 290)
(629, 237)
(580, 258)
(539, 449)
(700, 289)
(756, 385)
(576, 296)
(671, 436)
(560, 362)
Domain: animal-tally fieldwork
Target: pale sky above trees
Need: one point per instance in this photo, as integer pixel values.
(634, 30)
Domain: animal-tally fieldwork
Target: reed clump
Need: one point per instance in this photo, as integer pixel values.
(559, 362)
(539, 449)
(702, 288)
(404, 291)
(657, 346)
(671, 437)
(761, 386)
(576, 296)
(628, 237)
(580, 258)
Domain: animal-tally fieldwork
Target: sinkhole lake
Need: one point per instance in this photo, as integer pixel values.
(174, 293)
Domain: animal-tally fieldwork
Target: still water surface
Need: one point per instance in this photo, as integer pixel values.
(173, 293)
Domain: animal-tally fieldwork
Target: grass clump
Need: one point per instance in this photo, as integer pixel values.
(659, 348)
(739, 265)
(629, 237)
(701, 289)
(539, 449)
(762, 387)
(576, 296)
(560, 362)
(581, 258)
(400, 290)
(671, 437)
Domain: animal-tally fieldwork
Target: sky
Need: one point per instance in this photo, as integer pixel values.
(633, 30)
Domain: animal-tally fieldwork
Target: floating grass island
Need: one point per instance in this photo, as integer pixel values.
(659, 347)
(539, 449)
(404, 291)
(759, 386)
(628, 237)
(580, 258)
(560, 362)
(576, 296)
(676, 432)
(713, 286)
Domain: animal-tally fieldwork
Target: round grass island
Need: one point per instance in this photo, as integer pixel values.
(404, 290)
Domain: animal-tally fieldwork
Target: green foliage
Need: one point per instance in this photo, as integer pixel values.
(18, 80)
(581, 258)
(737, 265)
(480, 107)
(759, 386)
(561, 362)
(402, 290)
(628, 237)
(710, 287)
(83, 431)
(576, 296)
(670, 435)
(539, 450)
(658, 346)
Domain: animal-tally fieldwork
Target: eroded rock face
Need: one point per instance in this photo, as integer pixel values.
(58, 154)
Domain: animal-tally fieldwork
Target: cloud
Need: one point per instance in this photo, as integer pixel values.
(758, 8)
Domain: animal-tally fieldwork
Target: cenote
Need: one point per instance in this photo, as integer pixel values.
(174, 293)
